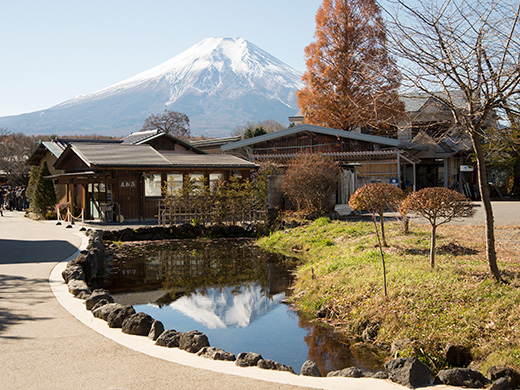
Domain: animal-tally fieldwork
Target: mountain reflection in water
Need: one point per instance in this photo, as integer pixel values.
(227, 307)
(229, 289)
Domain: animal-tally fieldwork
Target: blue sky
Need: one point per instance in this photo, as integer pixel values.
(54, 50)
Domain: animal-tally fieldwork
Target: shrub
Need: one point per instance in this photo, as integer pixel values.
(309, 182)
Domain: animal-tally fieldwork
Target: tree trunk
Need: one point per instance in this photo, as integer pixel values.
(484, 194)
(432, 246)
(383, 238)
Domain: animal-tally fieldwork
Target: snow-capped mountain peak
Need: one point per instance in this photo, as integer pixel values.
(220, 83)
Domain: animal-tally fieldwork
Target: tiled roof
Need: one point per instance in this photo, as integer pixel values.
(113, 155)
(134, 138)
(207, 161)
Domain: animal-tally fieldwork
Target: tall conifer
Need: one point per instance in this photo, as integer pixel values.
(350, 80)
(44, 198)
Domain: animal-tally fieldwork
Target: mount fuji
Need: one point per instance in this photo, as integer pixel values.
(220, 83)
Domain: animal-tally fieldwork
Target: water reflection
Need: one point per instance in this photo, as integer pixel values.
(184, 266)
(232, 291)
(227, 307)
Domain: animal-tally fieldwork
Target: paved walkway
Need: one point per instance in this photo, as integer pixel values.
(43, 346)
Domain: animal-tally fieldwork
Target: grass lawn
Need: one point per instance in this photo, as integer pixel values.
(458, 302)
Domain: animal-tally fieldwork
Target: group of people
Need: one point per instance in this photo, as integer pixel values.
(12, 199)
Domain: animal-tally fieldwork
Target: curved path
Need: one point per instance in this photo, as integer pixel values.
(43, 346)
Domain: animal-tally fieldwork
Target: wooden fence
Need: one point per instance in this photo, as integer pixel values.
(177, 211)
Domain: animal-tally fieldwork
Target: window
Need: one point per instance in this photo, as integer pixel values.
(152, 185)
(215, 179)
(174, 181)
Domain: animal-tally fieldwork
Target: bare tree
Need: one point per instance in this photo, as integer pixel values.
(171, 122)
(465, 53)
(15, 148)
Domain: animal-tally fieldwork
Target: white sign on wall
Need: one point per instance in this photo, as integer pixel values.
(466, 168)
(127, 184)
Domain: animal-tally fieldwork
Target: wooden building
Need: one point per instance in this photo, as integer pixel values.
(124, 180)
(363, 158)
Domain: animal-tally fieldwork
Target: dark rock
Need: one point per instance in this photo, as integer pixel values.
(248, 359)
(500, 384)
(461, 377)
(309, 368)
(216, 354)
(73, 272)
(96, 242)
(156, 330)
(138, 324)
(76, 287)
(193, 341)
(497, 372)
(378, 375)
(100, 303)
(350, 372)
(102, 312)
(409, 372)
(457, 355)
(84, 294)
(117, 316)
(169, 338)
(96, 296)
(370, 333)
(269, 364)
(88, 260)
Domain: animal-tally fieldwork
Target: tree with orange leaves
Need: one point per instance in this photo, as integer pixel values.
(351, 80)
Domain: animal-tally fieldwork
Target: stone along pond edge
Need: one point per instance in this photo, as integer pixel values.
(96, 309)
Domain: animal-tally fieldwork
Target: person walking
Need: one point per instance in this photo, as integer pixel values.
(1, 202)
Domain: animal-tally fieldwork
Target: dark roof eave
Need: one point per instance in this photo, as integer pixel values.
(313, 129)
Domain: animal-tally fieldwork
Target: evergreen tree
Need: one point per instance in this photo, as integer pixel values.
(33, 178)
(350, 80)
(44, 198)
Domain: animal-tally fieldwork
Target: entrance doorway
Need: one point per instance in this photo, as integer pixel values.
(99, 201)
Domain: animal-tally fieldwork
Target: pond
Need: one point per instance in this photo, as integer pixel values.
(231, 290)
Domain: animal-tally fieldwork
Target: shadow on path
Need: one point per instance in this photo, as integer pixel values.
(17, 294)
(19, 251)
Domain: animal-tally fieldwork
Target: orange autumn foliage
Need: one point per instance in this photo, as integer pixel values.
(350, 80)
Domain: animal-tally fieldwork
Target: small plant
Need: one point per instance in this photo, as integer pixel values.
(50, 215)
(322, 221)
(196, 222)
(439, 206)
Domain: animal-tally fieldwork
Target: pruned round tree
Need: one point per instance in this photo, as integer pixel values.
(439, 206)
(310, 181)
(377, 198)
